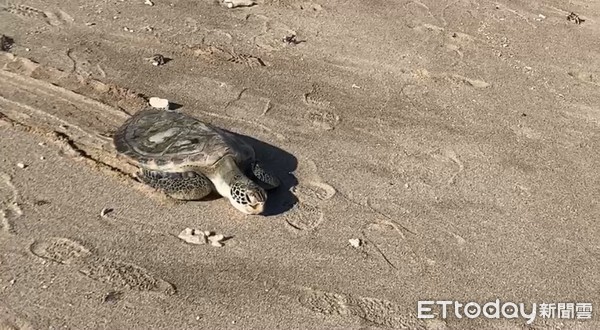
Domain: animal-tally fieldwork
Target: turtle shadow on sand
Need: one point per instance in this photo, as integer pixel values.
(281, 163)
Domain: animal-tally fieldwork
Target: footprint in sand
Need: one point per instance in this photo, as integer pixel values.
(321, 112)
(587, 77)
(427, 28)
(54, 18)
(314, 191)
(471, 82)
(217, 55)
(312, 188)
(444, 167)
(270, 37)
(325, 120)
(310, 6)
(307, 214)
(25, 11)
(376, 311)
(120, 275)
(304, 217)
(247, 60)
(584, 112)
(454, 79)
(10, 320)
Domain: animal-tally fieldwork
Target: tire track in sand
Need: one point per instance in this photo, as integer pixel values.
(79, 125)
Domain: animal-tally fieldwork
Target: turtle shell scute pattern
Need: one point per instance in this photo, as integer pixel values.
(158, 139)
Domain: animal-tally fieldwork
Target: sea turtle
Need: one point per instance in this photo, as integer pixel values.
(188, 159)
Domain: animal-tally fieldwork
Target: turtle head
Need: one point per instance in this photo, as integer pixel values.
(247, 196)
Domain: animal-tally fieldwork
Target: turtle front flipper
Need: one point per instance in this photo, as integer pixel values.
(265, 178)
(183, 186)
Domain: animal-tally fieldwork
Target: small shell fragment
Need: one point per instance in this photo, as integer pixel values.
(21, 165)
(193, 236)
(215, 240)
(238, 3)
(105, 211)
(149, 3)
(157, 102)
(355, 242)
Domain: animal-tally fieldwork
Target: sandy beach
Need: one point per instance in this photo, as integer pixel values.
(428, 151)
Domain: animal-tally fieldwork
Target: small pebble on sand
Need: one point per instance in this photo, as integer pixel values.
(157, 60)
(355, 242)
(238, 3)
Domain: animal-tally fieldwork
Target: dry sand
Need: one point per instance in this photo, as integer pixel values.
(456, 139)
